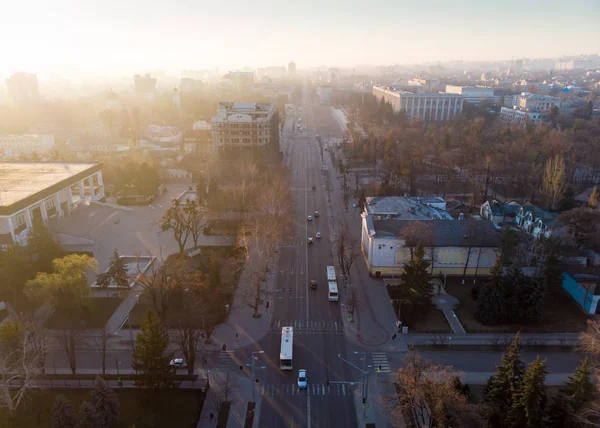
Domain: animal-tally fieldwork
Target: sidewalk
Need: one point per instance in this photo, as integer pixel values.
(446, 303)
(496, 339)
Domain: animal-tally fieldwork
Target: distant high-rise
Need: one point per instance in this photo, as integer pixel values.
(292, 68)
(23, 88)
(144, 84)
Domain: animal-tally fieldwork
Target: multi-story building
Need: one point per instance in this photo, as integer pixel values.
(527, 108)
(292, 68)
(144, 84)
(325, 94)
(23, 88)
(12, 146)
(245, 125)
(473, 94)
(427, 107)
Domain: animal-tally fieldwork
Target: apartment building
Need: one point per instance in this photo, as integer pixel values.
(473, 94)
(12, 146)
(244, 125)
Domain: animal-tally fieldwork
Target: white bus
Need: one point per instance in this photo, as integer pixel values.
(331, 273)
(332, 291)
(287, 348)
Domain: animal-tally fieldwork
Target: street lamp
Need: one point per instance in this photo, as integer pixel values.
(365, 382)
(254, 367)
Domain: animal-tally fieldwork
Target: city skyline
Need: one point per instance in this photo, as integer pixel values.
(116, 39)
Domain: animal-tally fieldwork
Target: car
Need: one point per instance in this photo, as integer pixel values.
(310, 239)
(318, 235)
(316, 214)
(313, 283)
(178, 363)
(302, 379)
(309, 218)
(314, 187)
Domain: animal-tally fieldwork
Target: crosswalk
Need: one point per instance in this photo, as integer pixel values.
(309, 327)
(380, 362)
(226, 361)
(315, 389)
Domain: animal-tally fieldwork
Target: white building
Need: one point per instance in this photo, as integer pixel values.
(12, 146)
(424, 106)
(407, 208)
(163, 134)
(244, 125)
(520, 117)
(23, 88)
(450, 245)
(527, 108)
(33, 191)
(325, 94)
(472, 94)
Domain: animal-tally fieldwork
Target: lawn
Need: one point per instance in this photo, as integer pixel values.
(96, 312)
(172, 408)
(561, 314)
(419, 320)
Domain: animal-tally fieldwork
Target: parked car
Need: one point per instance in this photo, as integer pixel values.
(313, 283)
(302, 379)
(178, 363)
(318, 235)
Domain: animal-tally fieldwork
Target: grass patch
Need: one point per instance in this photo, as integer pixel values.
(170, 408)
(95, 312)
(561, 313)
(419, 319)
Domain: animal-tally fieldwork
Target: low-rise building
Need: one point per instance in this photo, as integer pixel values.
(473, 94)
(33, 191)
(535, 220)
(499, 213)
(407, 208)
(13, 146)
(453, 247)
(427, 107)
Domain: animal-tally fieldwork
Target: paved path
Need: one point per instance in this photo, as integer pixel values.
(447, 303)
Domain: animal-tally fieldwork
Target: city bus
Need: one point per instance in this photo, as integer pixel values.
(331, 273)
(287, 348)
(332, 289)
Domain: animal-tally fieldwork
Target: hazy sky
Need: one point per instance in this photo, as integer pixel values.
(121, 36)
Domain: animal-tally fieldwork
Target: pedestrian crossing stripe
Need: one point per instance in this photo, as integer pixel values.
(380, 362)
(226, 360)
(315, 389)
(308, 326)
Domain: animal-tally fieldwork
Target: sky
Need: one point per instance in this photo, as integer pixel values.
(114, 37)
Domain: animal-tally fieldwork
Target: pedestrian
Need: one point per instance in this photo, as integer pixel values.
(224, 347)
(119, 381)
(211, 416)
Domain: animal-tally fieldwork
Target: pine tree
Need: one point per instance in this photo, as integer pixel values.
(117, 272)
(502, 386)
(571, 397)
(149, 356)
(64, 415)
(491, 304)
(106, 405)
(529, 402)
(86, 417)
(416, 276)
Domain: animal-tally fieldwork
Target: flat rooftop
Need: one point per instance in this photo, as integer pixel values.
(407, 208)
(23, 183)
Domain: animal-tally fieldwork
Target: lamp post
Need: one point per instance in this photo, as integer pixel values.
(365, 382)
(254, 368)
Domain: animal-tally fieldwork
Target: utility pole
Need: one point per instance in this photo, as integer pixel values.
(253, 369)
(365, 382)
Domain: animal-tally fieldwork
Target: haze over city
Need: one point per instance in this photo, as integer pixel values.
(113, 37)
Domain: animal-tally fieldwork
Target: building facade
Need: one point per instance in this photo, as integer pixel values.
(428, 107)
(38, 191)
(244, 125)
(145, 84)
(452, 247)
(325, 94)
(12, 146)
(23, 88)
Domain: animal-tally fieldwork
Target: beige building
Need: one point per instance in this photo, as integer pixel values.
(244, 125)
(12, 146)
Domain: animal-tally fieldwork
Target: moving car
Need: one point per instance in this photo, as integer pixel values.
(309, 218)
(310, 239)
(313, 283)
(178, 363)
(316, 214)
(302, 379)
(318, 235)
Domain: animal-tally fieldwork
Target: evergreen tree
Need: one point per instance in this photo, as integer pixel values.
(117, 272)
(529, 402)
(571, 397)
(552, 270)
(214, 273)
(86, 417)
(106, 405)
(149, 356)
(416, 276)
(43, 248)
(524, 297)
(502, 386)
(64, 415)
(491, 304)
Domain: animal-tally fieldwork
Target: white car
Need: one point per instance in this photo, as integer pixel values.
(302, 379)
(310, 239)
(309, 218)
(178, 363)
(318, 235)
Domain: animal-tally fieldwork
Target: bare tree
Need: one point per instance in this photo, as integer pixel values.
(590, 344)
(187, 333)
(161, 285)
(175, 219)
(19, 367)
(101, 341)
(72, 340)
(348, 251)
(554, 183)
(222, 397)
(194, 217)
